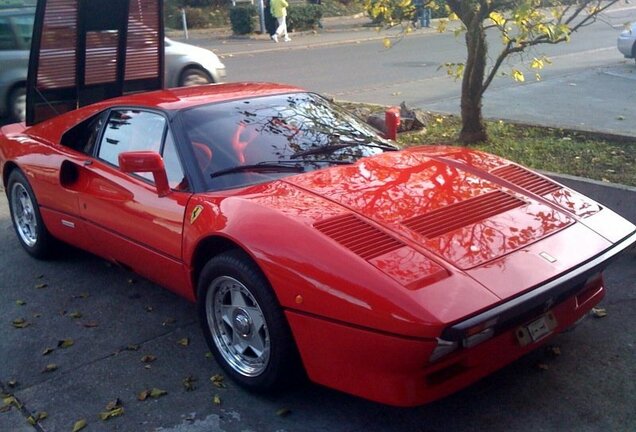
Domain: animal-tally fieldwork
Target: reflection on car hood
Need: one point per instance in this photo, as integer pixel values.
(467, 207)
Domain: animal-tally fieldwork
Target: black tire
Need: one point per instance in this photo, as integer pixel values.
(226, 281)
(26, 218)
(194, 76)
(17, 104)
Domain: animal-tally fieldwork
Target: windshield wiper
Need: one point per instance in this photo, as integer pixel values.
(260, 167)
(333, 147)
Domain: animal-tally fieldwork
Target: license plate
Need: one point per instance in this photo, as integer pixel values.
(537, 329)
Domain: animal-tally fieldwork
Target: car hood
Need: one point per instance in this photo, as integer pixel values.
(464, 211)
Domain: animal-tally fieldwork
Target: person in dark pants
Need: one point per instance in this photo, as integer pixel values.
(271, 23)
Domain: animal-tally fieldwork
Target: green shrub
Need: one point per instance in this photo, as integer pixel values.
(303, 17)
(242, 19)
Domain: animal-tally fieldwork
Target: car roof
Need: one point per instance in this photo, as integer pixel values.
(187, 97)
(167, 100)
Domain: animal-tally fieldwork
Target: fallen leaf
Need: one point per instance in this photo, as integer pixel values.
(148, 358)
(105, 415)
(114, 404)
(553, 350)
(217, 381)
(208, 355)
(132, 281)
(283, 412)
(81, 296)
(75, 315)
(65, 343)
(132, 347)
(148, 308)
(41, 285)
(5, 408)
(33, 419)
(599, 312)
(216, 400)
(79, 425)
(184, 342)
(47, 351)
(20, 302)
(20, 323)
(156, 393)
(90, 324)
(189, 383)
(143, 395)
(542, 366)
(12, 383)
(51, 367)
(12, 401)
(168, 321)
(37, 315)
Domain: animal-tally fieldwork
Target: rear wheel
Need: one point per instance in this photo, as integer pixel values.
(243, 323)
(194, 76)
(26, 218)
(17, 104)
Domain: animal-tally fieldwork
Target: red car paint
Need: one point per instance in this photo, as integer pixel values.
(457, 234)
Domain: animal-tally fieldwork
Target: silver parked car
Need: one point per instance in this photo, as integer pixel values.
(627, 42)
(185, 64)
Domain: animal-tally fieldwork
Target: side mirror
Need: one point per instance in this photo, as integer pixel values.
(146, 161)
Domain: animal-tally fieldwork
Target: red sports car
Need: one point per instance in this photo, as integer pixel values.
(311, 243)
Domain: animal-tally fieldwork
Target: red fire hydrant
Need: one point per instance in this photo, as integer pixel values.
(391, 122)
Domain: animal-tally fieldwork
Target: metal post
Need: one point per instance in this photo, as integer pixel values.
(261, 13)
(185, 23)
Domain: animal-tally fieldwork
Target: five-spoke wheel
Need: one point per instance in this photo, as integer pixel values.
(244, 325)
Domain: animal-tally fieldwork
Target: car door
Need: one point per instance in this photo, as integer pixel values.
(124, 214)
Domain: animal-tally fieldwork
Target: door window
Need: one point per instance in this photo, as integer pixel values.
(136, 130)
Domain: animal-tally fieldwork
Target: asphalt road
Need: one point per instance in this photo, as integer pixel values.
(115, 319)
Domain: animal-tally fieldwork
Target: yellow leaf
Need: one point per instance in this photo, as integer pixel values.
(41, 285)
(536, 63)
(216, 400)
(50, 367)
(386, 42)
(79, 425)
(65, 343)
(20, 302)
(184, 342)
(20, 323)
(105, 415)
(156, 393)
(599, 312)
(75, 315)
(217, 381)
(497, 18)
(47, 351)
(517, 75)
(189, 383)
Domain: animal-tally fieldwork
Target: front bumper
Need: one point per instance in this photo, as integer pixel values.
(397, 370)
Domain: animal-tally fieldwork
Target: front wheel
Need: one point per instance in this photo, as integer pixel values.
(26, 218)
(243, 323)
(194, 76)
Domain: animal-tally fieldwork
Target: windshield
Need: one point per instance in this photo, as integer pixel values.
(255, 140)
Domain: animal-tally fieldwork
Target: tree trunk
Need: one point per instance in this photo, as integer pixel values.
(473, 129)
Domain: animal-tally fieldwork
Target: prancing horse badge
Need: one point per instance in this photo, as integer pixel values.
(195, 213)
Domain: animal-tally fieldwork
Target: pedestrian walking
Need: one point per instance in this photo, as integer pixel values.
(279, 11)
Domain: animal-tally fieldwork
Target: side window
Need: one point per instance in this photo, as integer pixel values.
(7, 41)
(131, 130)
(83, 137)
(24, 30)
